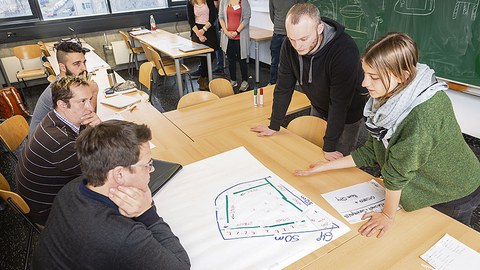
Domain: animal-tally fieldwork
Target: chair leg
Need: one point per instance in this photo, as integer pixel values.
(29, 244)
(191, 83)
(21, 90)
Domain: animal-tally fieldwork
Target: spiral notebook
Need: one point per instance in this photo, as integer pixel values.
(164, 171)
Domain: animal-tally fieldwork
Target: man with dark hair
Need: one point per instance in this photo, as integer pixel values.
(326, 63)
(49, 159)
(106, 219)
(71, 61)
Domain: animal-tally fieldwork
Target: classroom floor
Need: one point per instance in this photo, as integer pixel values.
(13, 232)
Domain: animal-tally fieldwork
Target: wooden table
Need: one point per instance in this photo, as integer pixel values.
(169, 44)
(208, 118)
(413, 233)
(257, 35)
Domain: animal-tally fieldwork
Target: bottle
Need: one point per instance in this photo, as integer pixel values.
(153, 25)
(112, 80)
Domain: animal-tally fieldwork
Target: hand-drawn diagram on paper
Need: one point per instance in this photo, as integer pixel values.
(262, 207)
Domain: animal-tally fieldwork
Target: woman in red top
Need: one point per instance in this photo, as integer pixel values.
(234, 17)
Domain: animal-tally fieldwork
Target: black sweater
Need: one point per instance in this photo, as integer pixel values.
(333, 86)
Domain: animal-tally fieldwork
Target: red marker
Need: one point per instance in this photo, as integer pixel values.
(261, 97)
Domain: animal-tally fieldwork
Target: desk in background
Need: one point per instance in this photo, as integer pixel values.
(169, 44)
(257, 35)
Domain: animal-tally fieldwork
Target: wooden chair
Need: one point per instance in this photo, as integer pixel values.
(19, 205)
(27, 52)
(196, 98)
(145, 77)
(132, 52)
(51, 73)
(310, 128)
(168, 70)
(13, 132)
(221, 87)
(44, 49)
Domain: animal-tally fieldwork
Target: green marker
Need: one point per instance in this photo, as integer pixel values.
(255, 102)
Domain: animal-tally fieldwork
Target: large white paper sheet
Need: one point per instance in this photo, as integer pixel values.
(449, 253)
(354, 201)
(231, 212)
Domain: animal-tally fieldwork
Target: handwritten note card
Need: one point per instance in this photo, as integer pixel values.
(354, 201)
(449, 253)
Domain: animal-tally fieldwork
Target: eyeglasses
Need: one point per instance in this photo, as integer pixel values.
(149, 165)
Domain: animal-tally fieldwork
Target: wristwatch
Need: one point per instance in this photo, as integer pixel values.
(238, 33)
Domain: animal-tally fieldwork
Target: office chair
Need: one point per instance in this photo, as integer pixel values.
(196, 98)
(13, 132)
(310, 128)
(19, 205)
(221, 87)
(28, 52)
(133, 52)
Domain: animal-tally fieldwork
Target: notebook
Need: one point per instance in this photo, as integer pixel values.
(193, 47)
(164, 171)
(140, 32)
(120, 101)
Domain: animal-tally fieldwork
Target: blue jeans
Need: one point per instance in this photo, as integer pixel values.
(461, 209)
(275, 46)
(219, 52)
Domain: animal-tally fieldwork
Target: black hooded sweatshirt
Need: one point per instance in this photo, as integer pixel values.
(331, 78)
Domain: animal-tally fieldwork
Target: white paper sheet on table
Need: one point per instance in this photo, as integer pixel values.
(231, 212)
(354, 201)
(449, 253)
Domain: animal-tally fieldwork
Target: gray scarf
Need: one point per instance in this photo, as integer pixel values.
(382, 122)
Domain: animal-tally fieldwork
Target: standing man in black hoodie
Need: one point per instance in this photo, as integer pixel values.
(326, 63)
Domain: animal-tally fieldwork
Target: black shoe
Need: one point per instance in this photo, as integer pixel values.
(195, 74)
(218, 71)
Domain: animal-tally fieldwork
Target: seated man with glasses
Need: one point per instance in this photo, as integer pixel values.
(106, 219)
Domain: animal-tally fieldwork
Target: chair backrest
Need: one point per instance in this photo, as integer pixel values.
(145, 74)
(49, 68)
(221, 87)
(43, 48)
(147, 52)
(127, 40)
(196, 98)
(13, 131)
(157, 60)
(27, 52)
(9, 196)
(310, 128)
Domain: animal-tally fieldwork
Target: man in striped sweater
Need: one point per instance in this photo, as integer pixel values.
(49, 160)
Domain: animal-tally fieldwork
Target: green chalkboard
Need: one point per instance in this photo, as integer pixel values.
(447, 32)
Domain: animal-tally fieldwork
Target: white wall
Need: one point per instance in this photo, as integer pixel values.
(467, 111)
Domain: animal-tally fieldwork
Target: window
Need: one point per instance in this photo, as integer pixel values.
(14, 8)
(127, 6)
(55, 9)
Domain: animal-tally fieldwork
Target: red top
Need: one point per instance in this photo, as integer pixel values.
(233, 18)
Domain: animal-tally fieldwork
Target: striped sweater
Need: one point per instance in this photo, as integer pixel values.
(48, 162)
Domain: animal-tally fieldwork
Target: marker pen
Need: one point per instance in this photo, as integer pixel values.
(255, 102)
(261, 97)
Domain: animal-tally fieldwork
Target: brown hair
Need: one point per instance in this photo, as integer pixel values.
(300, 10)
(396, 54)
(108, 145)
(65, 47)
(61, 89)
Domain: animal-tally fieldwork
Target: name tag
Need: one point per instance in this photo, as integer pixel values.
(237, 6)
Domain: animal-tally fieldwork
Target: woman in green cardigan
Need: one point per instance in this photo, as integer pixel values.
(414, 137)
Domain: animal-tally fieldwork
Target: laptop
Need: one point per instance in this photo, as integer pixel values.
(193, 47)
(164, 171)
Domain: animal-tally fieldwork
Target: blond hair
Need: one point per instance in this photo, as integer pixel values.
(393, 54)
(301, 10)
